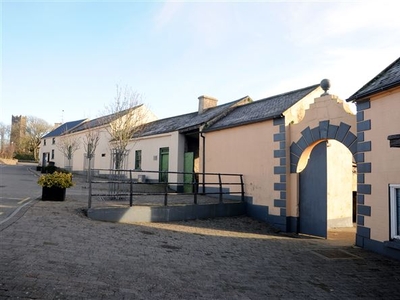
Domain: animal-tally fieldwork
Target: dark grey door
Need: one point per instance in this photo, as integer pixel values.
(313, 194)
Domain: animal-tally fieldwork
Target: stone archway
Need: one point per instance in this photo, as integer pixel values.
(324, 131)
(322, 201)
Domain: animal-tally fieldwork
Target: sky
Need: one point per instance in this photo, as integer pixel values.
(62, 60)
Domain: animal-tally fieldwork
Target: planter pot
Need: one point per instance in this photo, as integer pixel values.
(53, 193)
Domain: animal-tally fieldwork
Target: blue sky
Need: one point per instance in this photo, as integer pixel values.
(62, 60)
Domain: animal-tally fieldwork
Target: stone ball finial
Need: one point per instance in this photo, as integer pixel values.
(325, 85)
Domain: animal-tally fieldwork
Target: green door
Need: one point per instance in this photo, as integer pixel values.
(164, 162)
(188, 169)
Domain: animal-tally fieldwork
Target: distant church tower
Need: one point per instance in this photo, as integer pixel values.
(18, 131)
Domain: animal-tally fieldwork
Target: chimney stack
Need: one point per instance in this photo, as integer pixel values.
(206, 102)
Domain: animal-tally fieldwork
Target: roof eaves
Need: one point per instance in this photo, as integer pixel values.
(364, 96)
(190, 128)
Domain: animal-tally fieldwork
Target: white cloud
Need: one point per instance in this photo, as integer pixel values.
(315, 23)
(167, 13)
(377, 15)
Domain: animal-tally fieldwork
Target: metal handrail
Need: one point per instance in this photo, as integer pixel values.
(127, 179)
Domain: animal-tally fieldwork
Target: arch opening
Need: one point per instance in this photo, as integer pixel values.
(329, 183)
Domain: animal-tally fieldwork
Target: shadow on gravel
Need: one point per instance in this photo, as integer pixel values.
(234, 227)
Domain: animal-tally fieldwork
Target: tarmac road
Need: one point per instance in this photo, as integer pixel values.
(51, 250)
(18, 186)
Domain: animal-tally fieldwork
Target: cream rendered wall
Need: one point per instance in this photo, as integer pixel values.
(75, 158)
(340, 185)
(385, 121)
(296, 112)
(48, 148)
(100, 162)
(102, 158)
(177, 163)
(150, 147)
(247, 150)
(328, 107)
(59, 158)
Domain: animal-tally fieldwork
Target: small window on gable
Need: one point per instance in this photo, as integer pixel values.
(44, 142)
(54, 141)
(394, 211)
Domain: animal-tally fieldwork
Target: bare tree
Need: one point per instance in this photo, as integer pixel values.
(127, 119)
(4, 140)
(68, 145)
(7, 148)
(90, 143)
(35, 129)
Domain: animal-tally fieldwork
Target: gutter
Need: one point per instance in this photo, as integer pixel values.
(203, 158)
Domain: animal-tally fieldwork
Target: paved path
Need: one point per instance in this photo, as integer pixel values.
(50, 250)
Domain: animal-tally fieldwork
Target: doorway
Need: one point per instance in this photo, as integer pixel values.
(326, 188)
(164, 164)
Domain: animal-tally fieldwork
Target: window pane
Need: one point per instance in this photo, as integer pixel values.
(138, 159)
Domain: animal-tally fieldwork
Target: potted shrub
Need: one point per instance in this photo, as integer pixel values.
(54, 185)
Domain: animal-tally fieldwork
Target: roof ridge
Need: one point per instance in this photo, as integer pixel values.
(287, 93)
(263, 109)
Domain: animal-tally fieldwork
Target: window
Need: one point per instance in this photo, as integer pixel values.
(52, 154)
(54, 141)
(394, 211)
(44, 142)
(138, 159)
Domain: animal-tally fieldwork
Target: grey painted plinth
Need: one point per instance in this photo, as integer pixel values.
(166, 213)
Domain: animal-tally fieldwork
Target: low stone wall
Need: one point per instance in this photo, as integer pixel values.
(166, 213)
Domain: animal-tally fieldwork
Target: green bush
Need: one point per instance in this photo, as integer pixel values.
(56, 179)
(24, 156)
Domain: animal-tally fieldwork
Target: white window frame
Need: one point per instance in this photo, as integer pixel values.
(393, 211)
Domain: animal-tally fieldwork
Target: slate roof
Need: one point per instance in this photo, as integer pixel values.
(190, 121)
(261, 110)
(101, 121)
(63, 128)
(387, 79)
